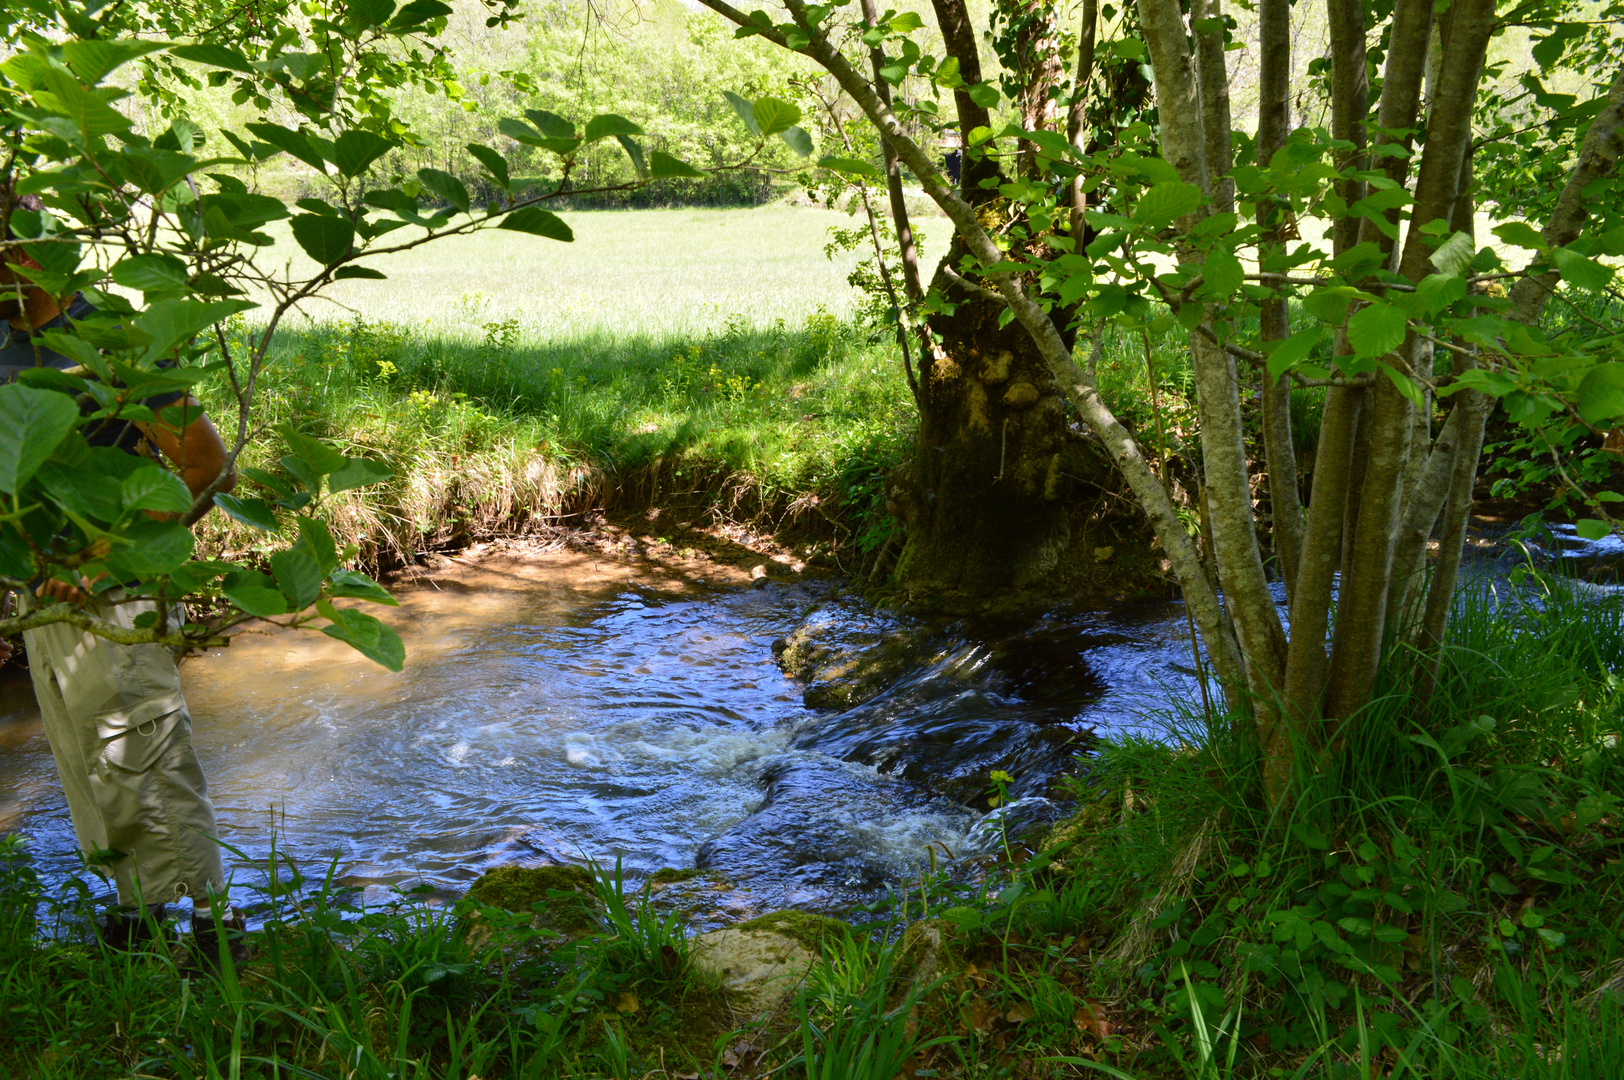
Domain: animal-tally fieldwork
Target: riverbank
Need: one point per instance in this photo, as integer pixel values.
(1439, 901)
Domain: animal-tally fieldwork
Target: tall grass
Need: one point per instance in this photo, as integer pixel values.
(1438, 898)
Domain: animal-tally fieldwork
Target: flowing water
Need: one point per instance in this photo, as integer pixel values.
(563, 707)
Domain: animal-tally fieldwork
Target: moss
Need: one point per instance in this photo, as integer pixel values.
(522, 888)
(927, 952)
(801, 927)
(670, 875)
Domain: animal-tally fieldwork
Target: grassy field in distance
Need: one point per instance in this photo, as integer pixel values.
(657, 273)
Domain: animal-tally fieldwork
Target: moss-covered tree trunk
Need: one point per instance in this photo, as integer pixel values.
(988, 497)
(1001, 484)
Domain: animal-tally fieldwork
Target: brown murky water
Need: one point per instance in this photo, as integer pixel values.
(560, 707)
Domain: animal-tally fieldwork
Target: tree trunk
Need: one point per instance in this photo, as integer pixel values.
(959, 42)
(988, 495)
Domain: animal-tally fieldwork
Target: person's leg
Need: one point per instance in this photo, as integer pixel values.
(144, 779)
(72, 745)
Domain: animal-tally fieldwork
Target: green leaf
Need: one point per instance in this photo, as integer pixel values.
(32, 424)
(168, 323)
(774, 115)
(298, 576)
(155, 488)
(365, 634)
(1223, 274)
(418, 12)
(366, 14)
(317, 539)
(363, 272)
(447, 187)
(152, 170)
(254, 593)
(321, 458)
(1376, 329)
(290, 142)
(906, 23)
(493, 162)
(1592, 529)
(354, 150)
(984, 94)
(1520, 234)
(633, 151)
(1403, 384)
(91, 60)
(87, 110)
(662, 165)
(154, 547)
(1600, 398)
(797, 140)
(550, 124)
(745, 111)
(357, 472)
(1455, 254)
(325, 239)
(1293, 350)
(254, 513)
(602, 127)
(354, 584)
(216, 56)
(850, 167)
(1165, 203)
(152, 273)
(537, 222)
(1581, 272)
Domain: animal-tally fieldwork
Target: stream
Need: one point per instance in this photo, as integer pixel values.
(567, 706)
(563, 707)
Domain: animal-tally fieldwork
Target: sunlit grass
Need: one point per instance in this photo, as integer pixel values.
(506, 377)
(629, 273)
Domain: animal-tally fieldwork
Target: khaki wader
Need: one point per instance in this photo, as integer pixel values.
(122, 739)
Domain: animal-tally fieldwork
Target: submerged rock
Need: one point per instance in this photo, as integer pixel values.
(814, 840)
(1018, 820)
(845, 659)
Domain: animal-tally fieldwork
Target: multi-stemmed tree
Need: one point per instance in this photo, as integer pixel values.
(1411, 324)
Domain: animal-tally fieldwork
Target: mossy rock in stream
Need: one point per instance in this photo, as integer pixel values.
(802, 927)
(846, 660)
(929, 952)
(564, 898)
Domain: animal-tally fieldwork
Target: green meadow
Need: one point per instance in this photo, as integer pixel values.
(507, 378)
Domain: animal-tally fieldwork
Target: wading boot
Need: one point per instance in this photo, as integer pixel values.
(207, 933)
(128, 929)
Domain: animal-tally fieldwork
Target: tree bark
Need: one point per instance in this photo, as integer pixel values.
(1350, 106)
(1147, 487)
(1214, 79)
(1362, 608)
(1076, 198)
(893, 179)
(959, 42)
(1274, 91)
(1184, 142)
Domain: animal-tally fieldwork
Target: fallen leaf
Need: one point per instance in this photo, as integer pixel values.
(1091, 1020)
(1020, 1012)
(983, 1017)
